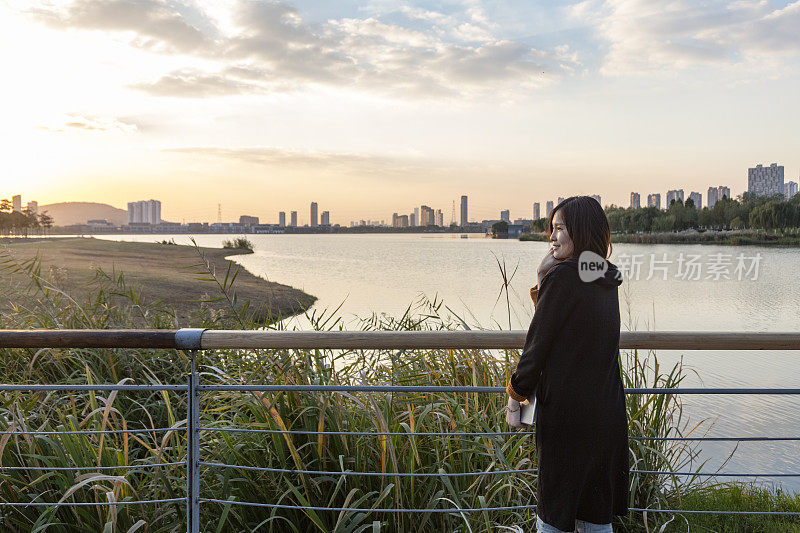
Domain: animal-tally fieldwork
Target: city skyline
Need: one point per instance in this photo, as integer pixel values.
(490, 98)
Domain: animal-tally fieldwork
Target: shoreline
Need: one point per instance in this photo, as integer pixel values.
(722, 237)
(167, 274)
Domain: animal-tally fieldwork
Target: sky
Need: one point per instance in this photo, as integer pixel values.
(375, 107)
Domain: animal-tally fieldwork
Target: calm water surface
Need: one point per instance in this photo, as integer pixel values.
(387, 273)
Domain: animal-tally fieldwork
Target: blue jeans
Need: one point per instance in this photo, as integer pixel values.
(581, 526)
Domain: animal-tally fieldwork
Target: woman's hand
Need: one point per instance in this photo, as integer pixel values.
(548, 262)
(512, 414)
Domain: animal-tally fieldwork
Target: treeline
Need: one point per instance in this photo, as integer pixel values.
(746, 211)
(22, 222)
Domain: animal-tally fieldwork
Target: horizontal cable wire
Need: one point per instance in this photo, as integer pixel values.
(467, 434)
(468, 389)
(710, 511)
(88, 504)
(92, 431)
(715, 474)
(365, 433)
(481, 473)
(73, 468)
(77, 388)
(398, 474)
(367, 510)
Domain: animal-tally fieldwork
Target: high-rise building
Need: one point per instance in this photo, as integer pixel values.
(765, 181)
(548, 208)
(16, 203)
(505, 214)
(412, 218)
(439, 218)
(697, 198)
(536, 211)
(417, 218)
(675, 194)
(282, 219)
(314, 219)
(654, 200)
(597, 197)
(402, 221)
(33, 205)
(246, 220)
(636, 200)
(147, 212)
(723, 192)
(711, 197)
(464, 213)
(293, 219)
(326, 218)
(790, 189)
(426, 216)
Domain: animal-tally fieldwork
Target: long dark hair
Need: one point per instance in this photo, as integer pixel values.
(586, 223)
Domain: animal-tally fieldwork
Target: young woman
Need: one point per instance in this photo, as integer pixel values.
(571, 363)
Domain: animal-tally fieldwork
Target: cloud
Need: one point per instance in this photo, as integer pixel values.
(75, 122)
(192, 84)
(408, 166)
(156, 25)
(645, 36)
(268, 47)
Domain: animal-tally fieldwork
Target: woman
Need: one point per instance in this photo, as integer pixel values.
(571, 362)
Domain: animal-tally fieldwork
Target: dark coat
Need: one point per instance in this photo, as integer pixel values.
(572, 354)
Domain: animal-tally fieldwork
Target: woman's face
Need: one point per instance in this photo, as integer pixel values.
(560, 239)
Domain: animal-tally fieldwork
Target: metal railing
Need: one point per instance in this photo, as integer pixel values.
(192, 340)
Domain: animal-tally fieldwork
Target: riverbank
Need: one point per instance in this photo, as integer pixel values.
(723, 237)
(168, 275)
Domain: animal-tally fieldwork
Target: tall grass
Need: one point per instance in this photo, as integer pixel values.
(115, 304)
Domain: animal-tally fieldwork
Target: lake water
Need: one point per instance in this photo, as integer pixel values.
(385, 273)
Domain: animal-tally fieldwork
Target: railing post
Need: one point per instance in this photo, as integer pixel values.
(193, 450)
(190, 340)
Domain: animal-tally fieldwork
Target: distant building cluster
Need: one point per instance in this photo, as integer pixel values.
(31, 207)
(144, 212)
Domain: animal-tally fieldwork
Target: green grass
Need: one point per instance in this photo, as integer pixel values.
(110, 303)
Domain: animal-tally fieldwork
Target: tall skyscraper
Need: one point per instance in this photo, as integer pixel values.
(293, 219)
(505, 214)
(711, 197)
(765, 181)
(536, 211)
(412, 218)
(314, 219)
(326, 218)
(33, 206)
(417, 218)
(439, 218)
(790, 189)
(426, 216)
(654, 200)
(464, 213)
(723, 191)
(147, 212)
(636, 200)
(548, 208)
(16, 203)
(675, 194)
(282, 219)
(697, 198)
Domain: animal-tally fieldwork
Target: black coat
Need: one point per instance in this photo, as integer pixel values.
(572, 354)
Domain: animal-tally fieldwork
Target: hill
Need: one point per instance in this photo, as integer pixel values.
(66, 213)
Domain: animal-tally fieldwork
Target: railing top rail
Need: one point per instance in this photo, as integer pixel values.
(369, 340)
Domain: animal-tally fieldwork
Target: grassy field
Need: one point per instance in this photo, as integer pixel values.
(463, 471)
(159, 274)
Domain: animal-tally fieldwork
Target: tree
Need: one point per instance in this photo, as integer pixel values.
(45, 221)
(500, 228)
